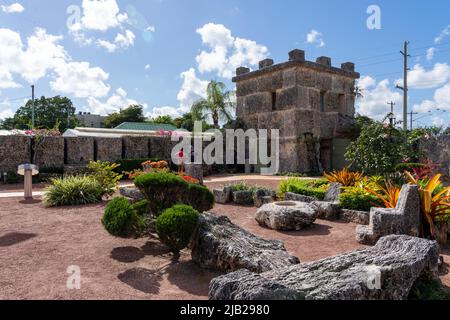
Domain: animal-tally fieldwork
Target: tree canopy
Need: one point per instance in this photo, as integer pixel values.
(134, 113)
(218, 104)
(56, 112)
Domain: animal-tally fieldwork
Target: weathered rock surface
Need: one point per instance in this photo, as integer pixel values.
(134, 194)
(403, 219)
(290, 196)
(223, 196)
(384, 272)
(260, 201)
(329, 208)
(263, 196)
(359, 217)
(287, 215)
(333, 192)
(243, 198)
(326, 210)
(219, 244)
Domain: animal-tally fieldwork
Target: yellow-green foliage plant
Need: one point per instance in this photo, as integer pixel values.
(387, 194)
(345, 177)
(435, 203)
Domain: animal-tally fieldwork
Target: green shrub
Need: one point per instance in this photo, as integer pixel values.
(121, 219)
(129, 165)
(141, 207)
(199, 197)
(310, 188)
(176, 225)
(240, 186)
(360, 201)
(104, 173)
(73, 190)
(429, 290)
(161, 189)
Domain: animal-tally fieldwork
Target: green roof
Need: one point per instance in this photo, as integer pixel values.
(146, 126)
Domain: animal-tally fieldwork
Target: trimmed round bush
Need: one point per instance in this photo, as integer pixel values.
(121, 220)
(199, 197)
(141, 207)
(176, 225)
(161, 189)
(73, 190)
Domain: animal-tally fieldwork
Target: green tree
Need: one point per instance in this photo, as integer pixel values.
(134, 113)
(187, 121)
(380, 147)
(49, 113)
(164, 120)
(218, 104)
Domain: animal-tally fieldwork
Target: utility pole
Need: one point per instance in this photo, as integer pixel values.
(32, 106)
(405, 84)
(411, 114)
(391, 115)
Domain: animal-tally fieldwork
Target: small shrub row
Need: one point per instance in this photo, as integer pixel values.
(360, 201)
(129, 165)
(310, 188)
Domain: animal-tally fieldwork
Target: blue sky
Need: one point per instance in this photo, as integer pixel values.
(161, 53)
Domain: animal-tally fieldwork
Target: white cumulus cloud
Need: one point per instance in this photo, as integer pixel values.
(376, 95)
(80, 80)
(13, 8)
(226, 51)
(43, 55)
(315, 37)
(122, 40)
(192, 90)
(99, 15)
(117, 101)
(420, 78)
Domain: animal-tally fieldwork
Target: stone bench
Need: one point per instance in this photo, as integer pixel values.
(286, 215)
(387, 271)
(220, 245)
(403, 219)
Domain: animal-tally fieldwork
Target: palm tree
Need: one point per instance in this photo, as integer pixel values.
(218, 104)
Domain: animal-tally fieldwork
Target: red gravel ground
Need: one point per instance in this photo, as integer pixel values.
(38, 244)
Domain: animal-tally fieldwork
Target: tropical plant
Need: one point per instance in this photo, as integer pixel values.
(218, 104)
(388, 194)
(434, 200)
(73, 190)
(344, 177)
(175, 226)
(121, 219)
(104, 173)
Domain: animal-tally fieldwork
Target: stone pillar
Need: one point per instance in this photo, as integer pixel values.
(297, 55)
(325, 61)
(265, 63)
(242, 70)
(348, 66)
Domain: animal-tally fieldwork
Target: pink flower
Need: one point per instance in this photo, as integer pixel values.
(386, 125)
